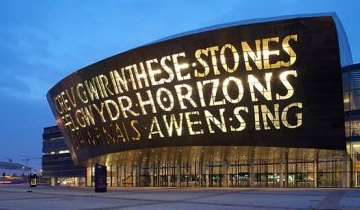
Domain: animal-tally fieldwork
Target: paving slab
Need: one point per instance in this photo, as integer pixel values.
(84, 198)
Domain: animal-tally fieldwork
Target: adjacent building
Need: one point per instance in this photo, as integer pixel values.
(57, 166)
(351, 81)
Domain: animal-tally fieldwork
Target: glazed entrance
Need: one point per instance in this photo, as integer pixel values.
(225, 167)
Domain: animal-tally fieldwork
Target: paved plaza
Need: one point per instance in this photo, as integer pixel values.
(17, 197)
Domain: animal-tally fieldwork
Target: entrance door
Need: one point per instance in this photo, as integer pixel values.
(144, 180)
(216, 180)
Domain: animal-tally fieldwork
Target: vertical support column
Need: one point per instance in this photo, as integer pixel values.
(117, 176)
(111, 176)
(178, 174)
(207, 175)
(352, 173)
(195, 173)
(90, 175)
(286, 168)
(251, 168)
(151, 176)
(316, 170)
(201, 173)
(124, 175)
(251, 172)
(87, 176)
(225, 174)
(133, 175)
(281, 170)
(296, 171)
(168, 174)
(345, 173)
(187, 173)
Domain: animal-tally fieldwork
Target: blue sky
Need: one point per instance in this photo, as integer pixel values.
(43, 41)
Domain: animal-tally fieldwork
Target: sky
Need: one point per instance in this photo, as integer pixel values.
(41, 42)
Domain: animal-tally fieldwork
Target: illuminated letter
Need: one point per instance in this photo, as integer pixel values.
(119, 133)
(174, 124)
(69, 122)
(65, 101)
(214, 89)
(179, 67)
(105, 85)
(285, 82)
(138, 134)
(80, 118)
(153, 72)
(100, 111)
(287, 48)
(56, 103)
(126, 108)
(257, 117)
(81, 94)
(71, 97)
(167, 69)
(213, 101)
(132, 79)
(213, 59)
(191, 123)
(202, 62)
(88, 115)
(181, 96)
(242, 122)
(200, 88)
(118, 81)
(254, 82)
(141, 76)
(210, 118)
(155, 125)
(148, 102)
(266, 114)
(99, 88)
(298, 116)
(239, 87)
(160, 99)
(247, 51)
(267, 53)
(112, 116)
(223, 58)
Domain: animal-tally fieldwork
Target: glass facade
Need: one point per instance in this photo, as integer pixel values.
(351, 81)
(225, 167)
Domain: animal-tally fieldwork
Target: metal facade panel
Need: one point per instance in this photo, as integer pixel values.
(266, 84)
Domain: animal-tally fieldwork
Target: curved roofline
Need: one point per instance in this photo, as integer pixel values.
(354, 66)
(340, 32)
(345, 51)
(243, 22)
(344, 46)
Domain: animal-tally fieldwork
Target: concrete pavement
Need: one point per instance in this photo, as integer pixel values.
(17, 197)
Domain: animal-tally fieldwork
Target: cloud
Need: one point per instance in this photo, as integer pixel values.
(35, 89)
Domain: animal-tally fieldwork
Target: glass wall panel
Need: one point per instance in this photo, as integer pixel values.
(254, 167)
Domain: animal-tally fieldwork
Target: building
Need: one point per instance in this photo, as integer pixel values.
(263, 103)
(57, 166)
(13, 169)
(13, 173)
(351, 79)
